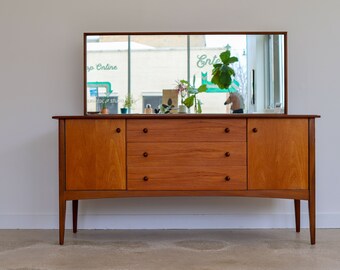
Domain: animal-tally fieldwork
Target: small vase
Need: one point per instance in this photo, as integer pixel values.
(123, 110)
(182, 109)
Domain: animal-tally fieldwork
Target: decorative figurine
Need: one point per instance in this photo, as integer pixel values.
(237, 102)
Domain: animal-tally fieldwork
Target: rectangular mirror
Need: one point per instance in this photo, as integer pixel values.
(142, 65)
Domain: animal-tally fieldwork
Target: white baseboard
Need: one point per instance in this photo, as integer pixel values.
(169, 221)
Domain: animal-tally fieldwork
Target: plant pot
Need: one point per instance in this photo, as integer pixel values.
(105, 111)
(123, 110)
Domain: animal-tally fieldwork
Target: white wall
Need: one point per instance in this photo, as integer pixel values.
(41, 75)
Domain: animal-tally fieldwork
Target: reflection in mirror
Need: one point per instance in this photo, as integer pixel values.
(143, 65)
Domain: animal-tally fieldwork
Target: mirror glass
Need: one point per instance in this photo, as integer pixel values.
(143, 65)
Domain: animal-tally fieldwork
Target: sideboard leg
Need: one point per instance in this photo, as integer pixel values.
(311, 201)
(297, 215)
(62, 213)
(75, 215)
(311, 206)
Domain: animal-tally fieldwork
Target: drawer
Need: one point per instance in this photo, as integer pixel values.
(187, 178)
(186, 130)
(183, 154)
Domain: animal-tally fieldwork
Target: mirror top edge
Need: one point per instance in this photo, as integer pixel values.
(285, 33)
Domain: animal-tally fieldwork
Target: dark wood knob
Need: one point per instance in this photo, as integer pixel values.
(145, 130)
(227, 154)
(227, 178)
(118, 130)
(145, 178)
(145, 154)
(227, 130)
(254, 130)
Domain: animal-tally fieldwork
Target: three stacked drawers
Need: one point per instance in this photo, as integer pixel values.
(184, 154)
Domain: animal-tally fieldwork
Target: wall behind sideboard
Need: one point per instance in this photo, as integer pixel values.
(41, 75)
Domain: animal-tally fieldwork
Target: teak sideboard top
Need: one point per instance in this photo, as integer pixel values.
(139, 155)
(184, 116)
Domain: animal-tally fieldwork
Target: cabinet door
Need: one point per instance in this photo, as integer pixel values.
(95, 154)
(277, 154)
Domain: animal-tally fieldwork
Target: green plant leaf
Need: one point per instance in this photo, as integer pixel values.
(217, 65)
(189, 101)
(202, 88)
(231, 71)
(232, 60)
(225, 57)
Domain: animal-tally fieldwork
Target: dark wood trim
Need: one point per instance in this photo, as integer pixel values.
(85, 73)
(286, 73)
(75, 215)
(282, 194)
(183, 116)
(297, 215)
(62, 170)
(190, 33)
(311, 200)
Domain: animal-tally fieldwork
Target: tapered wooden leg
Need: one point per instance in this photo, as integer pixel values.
(297, 215)
(75, 215)
(311, 201)
(62, 214)
(311, 206)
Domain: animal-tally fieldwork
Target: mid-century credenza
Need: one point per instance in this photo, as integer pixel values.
(136, 155)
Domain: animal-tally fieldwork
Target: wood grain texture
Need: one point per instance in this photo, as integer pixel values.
(187, 178)
(278, 154)
(299, 194)
(183, 154)
(186, 130)
(95, 154)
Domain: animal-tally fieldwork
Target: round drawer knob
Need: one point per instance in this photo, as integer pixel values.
(227, 178)
(118, 130)
(145, 178)
(145, 154)
(227, 154)
(227, 130)
(254, 130)
(145, 130)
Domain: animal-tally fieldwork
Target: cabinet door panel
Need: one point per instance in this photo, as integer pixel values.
(278, 154)
(95, 155)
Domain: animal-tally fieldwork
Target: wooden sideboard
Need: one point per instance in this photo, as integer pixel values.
(248, 155)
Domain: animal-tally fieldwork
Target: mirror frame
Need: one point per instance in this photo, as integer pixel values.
(284, 33)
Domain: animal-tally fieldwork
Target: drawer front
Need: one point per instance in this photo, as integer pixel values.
(181, 154)
(186, 130)
(187, 178)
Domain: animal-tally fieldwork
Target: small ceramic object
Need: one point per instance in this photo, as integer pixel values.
(182, 109)
(148, 109)
(123, 110)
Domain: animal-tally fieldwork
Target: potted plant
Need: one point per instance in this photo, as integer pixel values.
(222, 72)
(192, 99)
(128, 102)
(105, 100)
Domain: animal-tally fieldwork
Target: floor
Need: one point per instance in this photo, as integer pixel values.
(169, 249)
